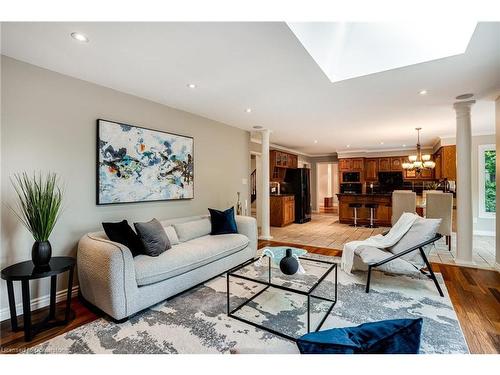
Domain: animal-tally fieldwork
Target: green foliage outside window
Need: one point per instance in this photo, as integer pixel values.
(490, 180)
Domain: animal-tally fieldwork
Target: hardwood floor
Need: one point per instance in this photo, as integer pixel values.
(475, 295)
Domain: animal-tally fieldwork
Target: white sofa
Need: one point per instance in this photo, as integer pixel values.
(121, 285)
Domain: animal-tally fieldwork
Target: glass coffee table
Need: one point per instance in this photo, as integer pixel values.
(287, 306)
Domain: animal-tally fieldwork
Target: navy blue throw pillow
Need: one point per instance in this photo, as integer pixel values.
(398, 336)
(122, 233)
(223, 222)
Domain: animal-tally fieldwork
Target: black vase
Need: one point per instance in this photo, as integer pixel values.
(41, 252)
(289, 265)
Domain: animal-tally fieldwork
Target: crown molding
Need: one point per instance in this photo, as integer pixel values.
(276, 146)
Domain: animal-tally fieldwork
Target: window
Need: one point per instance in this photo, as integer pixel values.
(487, 181)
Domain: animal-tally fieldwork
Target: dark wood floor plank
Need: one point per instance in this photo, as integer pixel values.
(475, 295)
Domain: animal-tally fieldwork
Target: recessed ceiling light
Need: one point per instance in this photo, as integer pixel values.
(257, 127)
(191, 85)
(403, 145)
(80, 37)
(381, 143)
(348, 146)
(423, 92)
(315, 141)
(464, 96)
(248, 110)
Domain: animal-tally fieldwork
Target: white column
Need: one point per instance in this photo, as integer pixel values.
(464, 182)
(258, 183)
(265, 212)
(329, 180)
(497, 121)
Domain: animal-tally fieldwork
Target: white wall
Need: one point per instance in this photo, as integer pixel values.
(49, 123)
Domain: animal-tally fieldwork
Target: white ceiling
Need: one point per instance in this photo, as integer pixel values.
(264, 67)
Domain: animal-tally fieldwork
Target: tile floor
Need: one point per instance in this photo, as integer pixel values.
(324, 230)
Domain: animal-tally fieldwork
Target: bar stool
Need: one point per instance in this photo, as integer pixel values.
(372, 207)
(355, 207)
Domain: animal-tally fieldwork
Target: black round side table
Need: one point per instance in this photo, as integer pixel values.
(26, 271)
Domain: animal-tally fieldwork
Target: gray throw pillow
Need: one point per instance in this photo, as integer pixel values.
(153, 237)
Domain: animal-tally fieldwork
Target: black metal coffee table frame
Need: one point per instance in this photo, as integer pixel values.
(26, 271)
(308, 293)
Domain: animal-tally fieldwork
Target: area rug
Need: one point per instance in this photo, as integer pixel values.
(197, 322)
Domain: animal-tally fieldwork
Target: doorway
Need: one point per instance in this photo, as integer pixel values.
(327, 188)
(255, 185)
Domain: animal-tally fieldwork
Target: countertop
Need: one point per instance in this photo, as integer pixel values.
(365, 195)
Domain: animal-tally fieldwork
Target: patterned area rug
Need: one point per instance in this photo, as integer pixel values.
(196, 321)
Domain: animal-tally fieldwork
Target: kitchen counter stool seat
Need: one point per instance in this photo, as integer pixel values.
(355, 207)
(372, 207)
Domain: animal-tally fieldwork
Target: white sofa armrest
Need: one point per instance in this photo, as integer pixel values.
(106, 274)
(247, 225)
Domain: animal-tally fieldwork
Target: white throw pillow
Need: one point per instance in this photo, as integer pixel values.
(172, 235)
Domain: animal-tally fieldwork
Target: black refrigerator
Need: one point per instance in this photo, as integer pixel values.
(298, 182)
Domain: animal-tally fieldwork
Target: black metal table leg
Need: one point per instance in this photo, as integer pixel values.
(68, 294)
(26, 310)
(227, 289)
(12, 306)
(53, 285)
(308, 313)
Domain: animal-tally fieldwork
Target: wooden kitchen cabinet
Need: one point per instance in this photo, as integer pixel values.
(384, 164)
(446, 163)
(371, 169)
(438, 168)
(357, 164)
(345, 164)
(449, 162)
(279, 162)
(396, 164)
(293, 161)
(282, 209)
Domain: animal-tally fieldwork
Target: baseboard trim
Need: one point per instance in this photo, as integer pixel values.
(266, 238)
(37, 303)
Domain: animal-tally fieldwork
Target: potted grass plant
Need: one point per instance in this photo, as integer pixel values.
(38, 208)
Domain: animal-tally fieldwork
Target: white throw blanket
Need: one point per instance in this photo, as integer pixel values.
(399, 229)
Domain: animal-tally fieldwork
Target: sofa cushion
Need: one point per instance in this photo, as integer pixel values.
(193, 229)
(422, 230)
(187, 256)
(371, 255)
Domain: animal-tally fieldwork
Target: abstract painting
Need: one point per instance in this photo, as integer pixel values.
(136, 164)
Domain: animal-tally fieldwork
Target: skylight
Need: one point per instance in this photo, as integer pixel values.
(345, 50)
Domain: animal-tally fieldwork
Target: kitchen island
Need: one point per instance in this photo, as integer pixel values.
(382, 213)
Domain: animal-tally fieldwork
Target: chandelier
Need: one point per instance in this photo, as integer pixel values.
(419, 162)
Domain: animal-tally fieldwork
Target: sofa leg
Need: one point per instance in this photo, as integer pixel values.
(120, 321)
(368, 279)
